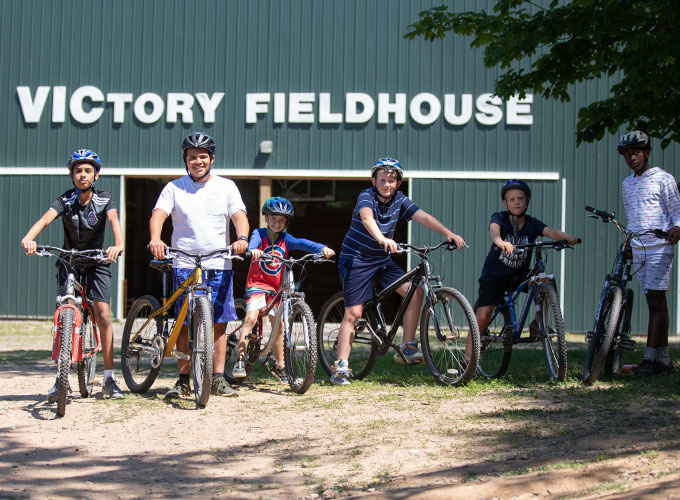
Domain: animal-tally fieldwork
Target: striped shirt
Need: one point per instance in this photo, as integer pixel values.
(651, 201)
(358, 240)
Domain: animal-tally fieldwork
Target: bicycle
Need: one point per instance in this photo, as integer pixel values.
(610, 336)
(75, 335)
(447, 325)
(150, 335)
(294, 320)
(505, 327)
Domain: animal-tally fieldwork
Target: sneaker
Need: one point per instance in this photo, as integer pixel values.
(534, 331)
(663, 368)
(53, 393)
(340, 375)
(220, 387)
(645, 369)
(280, 373)
(411, 352)
(239, 370)
(181, 388)
(111, 389)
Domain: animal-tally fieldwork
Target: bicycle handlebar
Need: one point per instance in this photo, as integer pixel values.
(405, 247)
(556, 244)
(309, 257)
(611, 217)
(95, 254)
(225, 253)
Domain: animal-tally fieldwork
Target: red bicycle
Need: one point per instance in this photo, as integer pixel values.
(75, 336)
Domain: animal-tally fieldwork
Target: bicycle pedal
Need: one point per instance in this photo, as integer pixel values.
(181, 355)
(587, 337)
(628, 344)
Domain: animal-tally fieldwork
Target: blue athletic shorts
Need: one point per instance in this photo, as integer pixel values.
(222, 292)
(356, 276)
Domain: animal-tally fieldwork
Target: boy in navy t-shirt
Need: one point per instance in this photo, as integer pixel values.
(503, 268)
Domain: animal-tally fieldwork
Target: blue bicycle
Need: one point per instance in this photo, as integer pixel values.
(506, 327)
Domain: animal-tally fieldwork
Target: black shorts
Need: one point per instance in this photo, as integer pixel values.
(97, 280)
(492, 293)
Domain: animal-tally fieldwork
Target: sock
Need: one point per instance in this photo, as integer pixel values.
(218, 375)
(108, 374)
(650, 354)
(342, 364)
(662, 355)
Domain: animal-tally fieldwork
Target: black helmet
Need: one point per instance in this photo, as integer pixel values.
(634, 139)
(278, 206)
(198, 140)
(516, 184)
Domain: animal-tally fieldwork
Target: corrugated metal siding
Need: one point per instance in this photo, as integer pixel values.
(31, 282)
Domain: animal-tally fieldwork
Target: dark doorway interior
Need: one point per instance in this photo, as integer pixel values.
(322, 221)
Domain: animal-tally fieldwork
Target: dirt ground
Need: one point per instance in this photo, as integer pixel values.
(384, 441)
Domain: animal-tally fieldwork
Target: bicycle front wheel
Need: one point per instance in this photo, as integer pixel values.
(552, 335)
(66, 344)
(601, 341)
(496, 345)
(88, 367)
(202, 352)
(233, 334)
(299, 350)
(363, 353)
(450, 338)
(142, 346)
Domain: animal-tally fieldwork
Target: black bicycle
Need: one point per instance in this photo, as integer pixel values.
(505, 327)
(448, 328)
(610, 336)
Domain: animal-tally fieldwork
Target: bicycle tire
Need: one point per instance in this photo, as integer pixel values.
(553, 341)
(136, 357)
(363, 354)
(203, 349)
(496, 345)
(614, 361)
(65, 347)
(446, 357)
(87, 368)
(299, 349)
(232, 344)
(601, 341)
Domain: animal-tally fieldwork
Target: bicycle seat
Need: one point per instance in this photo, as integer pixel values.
(161, 265)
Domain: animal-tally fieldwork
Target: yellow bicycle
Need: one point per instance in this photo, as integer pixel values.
(150, 334)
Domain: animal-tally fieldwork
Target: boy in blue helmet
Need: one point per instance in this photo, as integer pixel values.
(265, 279)
(84, 211)
(366, 253)
(501, 269)
(652, 201)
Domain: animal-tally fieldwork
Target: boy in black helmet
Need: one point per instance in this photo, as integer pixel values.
(502, 268)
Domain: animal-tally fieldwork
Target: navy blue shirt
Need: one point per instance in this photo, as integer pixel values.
(84, 225)
(499, 266)
(358, 241)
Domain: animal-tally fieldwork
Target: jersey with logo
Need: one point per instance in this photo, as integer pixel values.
(499, 266)
(268, 276)
(84, 225)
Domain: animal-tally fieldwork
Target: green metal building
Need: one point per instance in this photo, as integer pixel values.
(301, 96)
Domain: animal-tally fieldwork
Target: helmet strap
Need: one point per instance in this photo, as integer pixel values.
(201, 177)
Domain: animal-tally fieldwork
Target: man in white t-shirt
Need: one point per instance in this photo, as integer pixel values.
(201, 206)
(652, 201)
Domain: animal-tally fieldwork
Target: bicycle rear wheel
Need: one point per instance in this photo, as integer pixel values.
(363, 353)
(299, 350)
(601, 341)
(203, 347)
(232, 343)
(142, 346)
(88, 367)
(496, 345)
(450, 338)
(65, 347)
(552, 335)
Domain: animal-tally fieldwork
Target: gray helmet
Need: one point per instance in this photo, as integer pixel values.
(635, 139)
(198, 140)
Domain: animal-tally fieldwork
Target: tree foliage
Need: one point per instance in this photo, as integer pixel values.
(545, 47)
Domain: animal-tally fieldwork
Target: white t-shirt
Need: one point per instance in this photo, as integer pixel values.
(200, 216)
(651, 201)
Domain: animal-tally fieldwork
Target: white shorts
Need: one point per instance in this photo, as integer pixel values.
(257, 301)
(653, 270)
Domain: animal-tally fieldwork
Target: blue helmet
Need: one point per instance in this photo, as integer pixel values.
(84, 156)
(278, 206)
(388, 164)
(516, 184)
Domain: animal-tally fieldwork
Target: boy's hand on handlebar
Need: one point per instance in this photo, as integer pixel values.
(239, 246)
(572, 239)
(157, 248)
(30, 246)
(255, 254)
(113, 252)
(506, 247)
(457, 240)
(674, 235)
(328, 252)
(389, 245)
